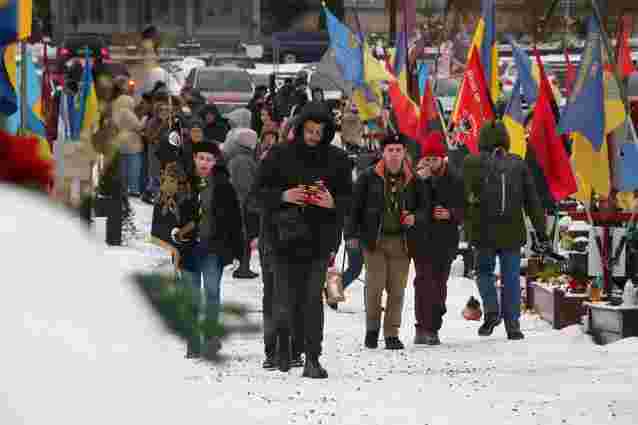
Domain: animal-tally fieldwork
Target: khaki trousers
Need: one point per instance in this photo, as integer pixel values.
(387, 269)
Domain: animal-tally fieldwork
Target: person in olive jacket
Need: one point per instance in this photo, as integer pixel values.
(439, 243)
(304, 188)
(390, 207)
(495, 223)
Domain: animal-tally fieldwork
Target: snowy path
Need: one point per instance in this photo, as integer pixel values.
(552, 377)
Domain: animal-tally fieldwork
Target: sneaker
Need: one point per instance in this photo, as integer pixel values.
(313, 369)
(393, 343)
(492, 320)
(372, 339)
(270, 363)
(334, 306)
(513, 329)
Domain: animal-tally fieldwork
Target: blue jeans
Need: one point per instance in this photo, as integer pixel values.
(510, 262)
(131, 165)
(210, 271)
(355, 265)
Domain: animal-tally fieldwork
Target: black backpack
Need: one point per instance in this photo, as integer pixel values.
(501, 191)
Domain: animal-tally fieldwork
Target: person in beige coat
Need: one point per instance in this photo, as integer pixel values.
(128, 139)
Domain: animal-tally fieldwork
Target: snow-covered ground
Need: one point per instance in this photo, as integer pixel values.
(552, 377)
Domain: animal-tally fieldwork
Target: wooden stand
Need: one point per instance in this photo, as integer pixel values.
(609, 323)
(555, 306)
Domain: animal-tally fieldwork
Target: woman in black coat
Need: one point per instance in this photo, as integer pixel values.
(209, 234)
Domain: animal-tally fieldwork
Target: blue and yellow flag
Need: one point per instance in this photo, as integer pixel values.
(15, 20)
(515, 122)
(347, 47)
(35, 122)
(526, 76)
(400, 68)
(587, 98)
(485, 42)
(8, 97)
(89, 115)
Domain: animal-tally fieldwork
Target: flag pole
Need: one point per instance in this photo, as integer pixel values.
(22, 130)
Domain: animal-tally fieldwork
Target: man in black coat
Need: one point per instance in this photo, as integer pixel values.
(209, 234)
(438, 245)
(304, 187)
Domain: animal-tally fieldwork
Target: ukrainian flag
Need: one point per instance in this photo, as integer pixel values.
(400, 68)
(589, 116)
(352, 54)
(347, 47)
(15, 20)
(485, 42)
(515, 122)
(8, 97)
(34, 117)
(89, 115)
(587, 98)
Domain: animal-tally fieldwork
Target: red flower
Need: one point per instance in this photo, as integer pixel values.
(21, 164)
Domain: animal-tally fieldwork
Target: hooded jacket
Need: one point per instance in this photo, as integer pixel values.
(296, 163)
(237, 120)
(511, 235)
(215, 132)
(239, 155)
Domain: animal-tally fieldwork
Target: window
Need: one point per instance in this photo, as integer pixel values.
(237, 81)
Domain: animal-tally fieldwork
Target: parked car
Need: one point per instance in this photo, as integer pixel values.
(227, 87)
(296, 46)
(75, 45)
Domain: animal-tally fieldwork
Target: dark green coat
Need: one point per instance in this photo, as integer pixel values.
(512, 235)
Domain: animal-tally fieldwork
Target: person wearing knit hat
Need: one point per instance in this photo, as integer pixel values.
(437, 247)
(433, 145)
(389, 208)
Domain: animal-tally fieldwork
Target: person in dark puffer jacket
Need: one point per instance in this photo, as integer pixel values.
(304, 187)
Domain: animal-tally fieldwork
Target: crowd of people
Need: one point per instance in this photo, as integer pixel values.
(296, 185)
(297, 177)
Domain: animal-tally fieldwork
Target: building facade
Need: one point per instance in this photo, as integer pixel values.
(216, 19)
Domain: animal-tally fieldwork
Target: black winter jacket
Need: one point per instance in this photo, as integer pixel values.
(365, 223)
(290, 165)
(441, 238)
(226, 238)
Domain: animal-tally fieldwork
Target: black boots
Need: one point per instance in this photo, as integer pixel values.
(245, 274)
(372, 339)
(313, 369)
(513, 329)
(426, 338)
(393, 343)
(492, 320)
(270, 363)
